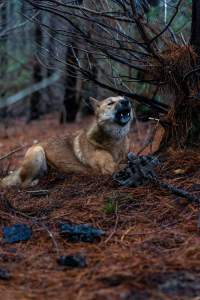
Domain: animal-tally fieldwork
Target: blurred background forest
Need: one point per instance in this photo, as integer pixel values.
(55, 54)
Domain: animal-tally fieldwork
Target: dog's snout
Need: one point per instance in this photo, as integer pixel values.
(125, 102)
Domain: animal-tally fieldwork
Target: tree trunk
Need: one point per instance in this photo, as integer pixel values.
(51, 62)
(195, 28)
(37, 77)
(194, 134)
(70, 104)
(182, 125)
(4, 58)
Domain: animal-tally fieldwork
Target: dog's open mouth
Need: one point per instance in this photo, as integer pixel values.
(123, 116)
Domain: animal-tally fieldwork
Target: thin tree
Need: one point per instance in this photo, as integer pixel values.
(70, 103)
(3, 56)
(36, 75)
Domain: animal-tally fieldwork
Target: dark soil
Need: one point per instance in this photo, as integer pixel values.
(151, 246)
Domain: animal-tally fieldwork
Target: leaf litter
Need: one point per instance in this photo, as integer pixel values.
(150, 249)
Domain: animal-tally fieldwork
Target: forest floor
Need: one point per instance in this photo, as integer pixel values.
(151, 246)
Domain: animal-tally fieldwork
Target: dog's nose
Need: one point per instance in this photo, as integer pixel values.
(125, 102)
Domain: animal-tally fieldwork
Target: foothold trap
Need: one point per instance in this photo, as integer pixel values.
(141, 170)
(80, 233)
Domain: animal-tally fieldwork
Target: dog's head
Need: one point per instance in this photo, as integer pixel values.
(113, 115)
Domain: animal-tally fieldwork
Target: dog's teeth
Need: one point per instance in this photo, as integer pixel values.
(128, 114)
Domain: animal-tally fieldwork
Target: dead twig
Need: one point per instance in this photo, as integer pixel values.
(12, 152)
(55, 244)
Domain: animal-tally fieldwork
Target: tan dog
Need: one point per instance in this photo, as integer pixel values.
(101, 149)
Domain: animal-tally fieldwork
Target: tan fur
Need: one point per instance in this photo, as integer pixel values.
(101, 149)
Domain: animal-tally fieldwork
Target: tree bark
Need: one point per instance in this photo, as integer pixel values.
(3, 57)
(182, 128)
(51, 62)
(194, 134)
(70, 103)
(37, 77)
(195, 27)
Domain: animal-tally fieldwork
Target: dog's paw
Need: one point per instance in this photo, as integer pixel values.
(103, 162)
(108, 168)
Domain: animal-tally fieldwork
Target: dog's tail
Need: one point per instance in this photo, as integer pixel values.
(33, 166)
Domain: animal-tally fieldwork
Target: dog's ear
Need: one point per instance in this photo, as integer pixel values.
(94, 103)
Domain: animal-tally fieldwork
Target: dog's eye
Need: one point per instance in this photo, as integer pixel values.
(110, 103)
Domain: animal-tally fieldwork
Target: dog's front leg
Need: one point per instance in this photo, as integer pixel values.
(103, 162)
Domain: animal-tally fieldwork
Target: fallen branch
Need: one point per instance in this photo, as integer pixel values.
(30, 90)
